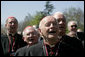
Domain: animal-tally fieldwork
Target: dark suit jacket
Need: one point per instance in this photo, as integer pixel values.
(5, 43)
(21, 51)
(72, 41)
(75, 43)
(80, 35)
(1, 49)
(63, 50)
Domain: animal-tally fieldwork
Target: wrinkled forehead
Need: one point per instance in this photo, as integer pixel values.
(29, 29)
(49, 19)
(73, 23)
(59, 16)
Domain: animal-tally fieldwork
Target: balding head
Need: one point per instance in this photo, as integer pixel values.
(30, 35)
(48, 28)
(44, 20)
(11, 25)
(58, 15)
(28, 29)
(9, 18)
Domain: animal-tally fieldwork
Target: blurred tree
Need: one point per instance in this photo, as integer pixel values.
(39, 15)
(75, 14)
(25, 22)
(35, 21)
(48, 8)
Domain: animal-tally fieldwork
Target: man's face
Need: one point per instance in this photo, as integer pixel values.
(62, 23)
(31, 36)
(72, 27)
(11, 25)
(49, 28)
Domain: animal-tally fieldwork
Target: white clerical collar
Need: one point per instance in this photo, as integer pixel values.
(51, 46)
(59, 37)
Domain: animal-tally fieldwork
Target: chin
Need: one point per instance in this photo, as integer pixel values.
(51, 37)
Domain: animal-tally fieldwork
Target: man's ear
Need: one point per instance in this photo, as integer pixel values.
(39, 30)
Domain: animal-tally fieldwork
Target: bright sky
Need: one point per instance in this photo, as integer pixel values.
(20, 9)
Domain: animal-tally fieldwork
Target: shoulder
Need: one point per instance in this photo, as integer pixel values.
(21, 51)
(18, 35)
(38, 45)
(35, 48)
(4, 38)
(80, 34)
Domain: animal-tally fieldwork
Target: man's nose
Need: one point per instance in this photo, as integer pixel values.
(74, 27)
(31, 35)
(61, 22)
(12, 23)
(51, 25)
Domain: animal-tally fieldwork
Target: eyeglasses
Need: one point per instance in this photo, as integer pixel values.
(74, 26)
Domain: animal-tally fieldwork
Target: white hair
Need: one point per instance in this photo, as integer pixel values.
(56, 14)
(69, 23)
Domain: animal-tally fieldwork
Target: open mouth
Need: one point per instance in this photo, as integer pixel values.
(11, 27)
(30, 39)
(52, 32)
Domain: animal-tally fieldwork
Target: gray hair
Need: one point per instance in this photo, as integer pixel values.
(27, 28)
(69, 23)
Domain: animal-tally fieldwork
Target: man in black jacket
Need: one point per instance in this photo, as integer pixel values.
(72, 28)
(11, 41)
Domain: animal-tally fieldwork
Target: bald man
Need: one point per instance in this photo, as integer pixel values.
(30, 36)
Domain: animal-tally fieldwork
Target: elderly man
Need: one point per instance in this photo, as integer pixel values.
(12, 41)
(61, 22)
(73, 42)
(30, 36)
(72, 28)
(51, 44)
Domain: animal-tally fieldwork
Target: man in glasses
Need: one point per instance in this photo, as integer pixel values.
(72, 27)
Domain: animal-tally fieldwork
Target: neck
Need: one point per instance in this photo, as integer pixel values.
(72, 34)
(61, 34)
(51, 42)
(11, 33)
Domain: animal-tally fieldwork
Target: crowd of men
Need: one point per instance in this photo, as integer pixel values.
(50, 39)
